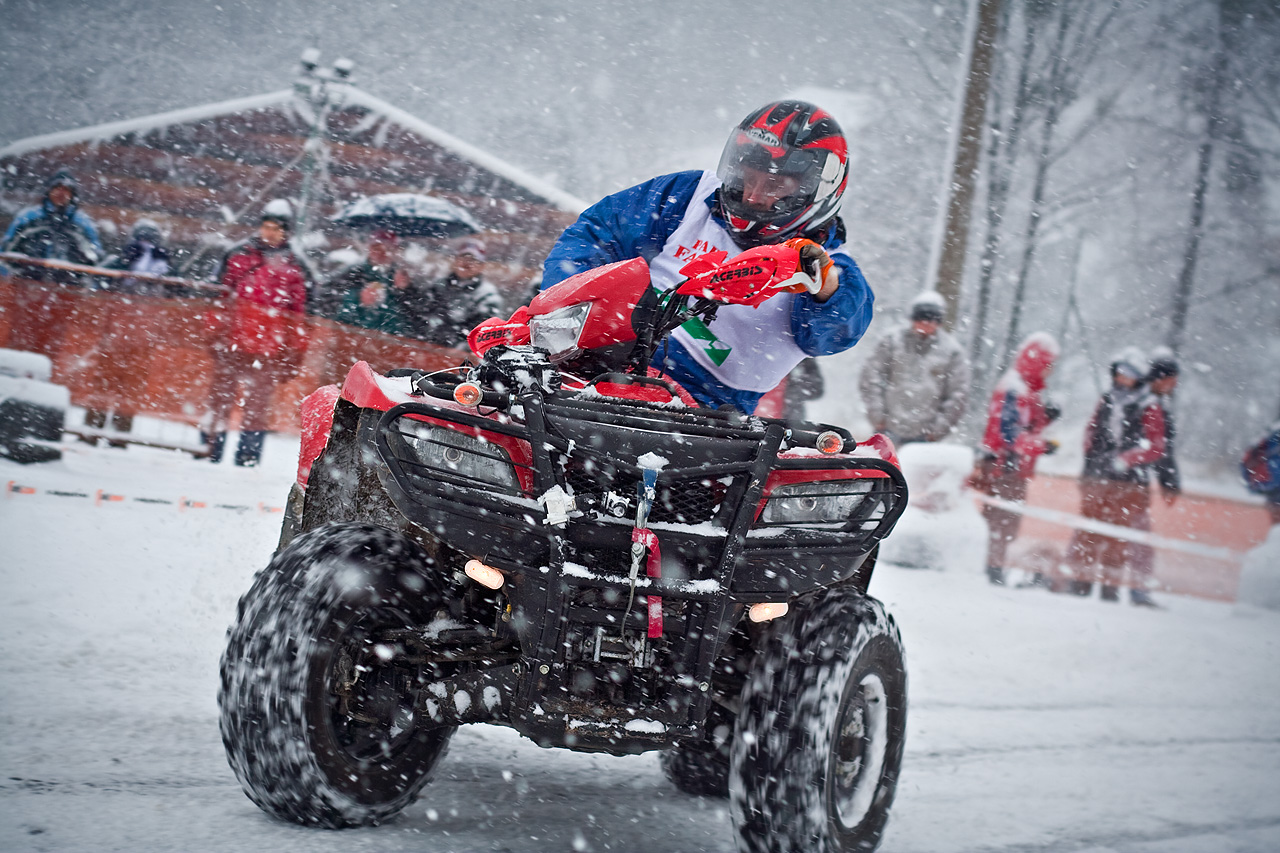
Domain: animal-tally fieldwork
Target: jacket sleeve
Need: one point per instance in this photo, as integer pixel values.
(873, 380)
(85, 224)
(20, 222)
(955, 401)
(634, 223)
(826, 328)
(1027, 443)
(1153, 445)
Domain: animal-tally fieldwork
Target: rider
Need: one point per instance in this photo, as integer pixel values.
(781, 176)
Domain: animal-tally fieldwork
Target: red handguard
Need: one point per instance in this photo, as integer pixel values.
(748, 279)
(496, 331)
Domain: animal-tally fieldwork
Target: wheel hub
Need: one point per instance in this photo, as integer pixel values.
(858, 753)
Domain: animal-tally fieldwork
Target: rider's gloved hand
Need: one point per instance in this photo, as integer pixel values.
(817, 274)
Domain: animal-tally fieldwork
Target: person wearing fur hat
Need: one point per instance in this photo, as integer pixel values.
(915, 385)
(1124, 439)
(55, 230)
(261, 336)
(444, 311)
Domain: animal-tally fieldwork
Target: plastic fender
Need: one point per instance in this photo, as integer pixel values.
(317, 420)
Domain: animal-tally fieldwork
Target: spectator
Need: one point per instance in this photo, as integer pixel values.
(1260, 467)
(1012, 442)
(1162, 379)
(1124, 439)
(444, 311)
(55, 230)
(130, 343)
(144, 253)
(916, 383)
(265, 336)
(372, 292)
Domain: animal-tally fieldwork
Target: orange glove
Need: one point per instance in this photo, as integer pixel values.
(817, 275)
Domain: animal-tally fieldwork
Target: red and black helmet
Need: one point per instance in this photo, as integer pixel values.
(782, 173)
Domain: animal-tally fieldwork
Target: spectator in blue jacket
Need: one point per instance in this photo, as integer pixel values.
(781, 176)
(55, 230)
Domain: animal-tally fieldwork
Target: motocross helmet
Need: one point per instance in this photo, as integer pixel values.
(782, 173)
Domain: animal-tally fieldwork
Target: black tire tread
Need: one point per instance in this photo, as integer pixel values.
(270, 741)
(780, 750)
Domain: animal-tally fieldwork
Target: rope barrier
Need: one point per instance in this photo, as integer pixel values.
(1115, 531)
(101, 497)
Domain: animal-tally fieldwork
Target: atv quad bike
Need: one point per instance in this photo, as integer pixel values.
(597, 563)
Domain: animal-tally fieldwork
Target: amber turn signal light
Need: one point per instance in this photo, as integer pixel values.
(767, 610)
(830, 441)
(487, 576)
(468, 394)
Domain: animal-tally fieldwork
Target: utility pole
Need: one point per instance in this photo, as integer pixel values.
(315, 87)
(947, 264)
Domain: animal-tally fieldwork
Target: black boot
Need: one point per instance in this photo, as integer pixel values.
(1084, 588)
(215, 441)
(995, 574)
(249, 451)
(1110, 593)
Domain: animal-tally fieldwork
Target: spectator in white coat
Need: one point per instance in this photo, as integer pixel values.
(915, 385)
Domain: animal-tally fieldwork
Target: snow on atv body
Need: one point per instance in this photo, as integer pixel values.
(584, 561)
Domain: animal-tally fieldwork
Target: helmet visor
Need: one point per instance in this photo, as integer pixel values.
(767, 183)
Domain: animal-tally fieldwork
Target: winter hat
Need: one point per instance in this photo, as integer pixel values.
(279, 210)
(147, 230)
(62, 178)
(1129, 362)
(1163, 364)
(929, 305)
(473, 247)
(1036, 355)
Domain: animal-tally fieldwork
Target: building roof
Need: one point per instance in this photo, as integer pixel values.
(204, 172)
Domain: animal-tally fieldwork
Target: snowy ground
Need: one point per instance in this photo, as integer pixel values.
(1037, 722)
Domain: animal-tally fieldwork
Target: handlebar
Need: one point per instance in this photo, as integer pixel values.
(429, 385)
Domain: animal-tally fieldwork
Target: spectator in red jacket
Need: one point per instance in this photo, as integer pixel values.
(1124, 439)
(262, 335)
(1012, 443)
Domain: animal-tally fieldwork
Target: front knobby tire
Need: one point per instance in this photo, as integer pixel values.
(818, 746)
(317, 704)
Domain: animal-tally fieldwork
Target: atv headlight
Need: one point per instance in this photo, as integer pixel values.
(450, 452)
(821, 502)
(559, 331)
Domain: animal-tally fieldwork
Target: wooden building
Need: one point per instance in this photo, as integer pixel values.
(204, 174)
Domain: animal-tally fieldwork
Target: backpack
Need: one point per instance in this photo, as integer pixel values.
(1260, 465)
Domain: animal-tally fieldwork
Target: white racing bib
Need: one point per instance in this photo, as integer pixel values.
(750, 349)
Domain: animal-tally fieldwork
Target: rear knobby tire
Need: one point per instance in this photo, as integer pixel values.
(305, 747)
(818, 746)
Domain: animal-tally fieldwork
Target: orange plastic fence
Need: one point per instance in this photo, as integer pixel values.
(153, 355)
(1201, 539)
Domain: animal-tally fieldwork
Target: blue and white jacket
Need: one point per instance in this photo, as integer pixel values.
(45, 231)
(745, 352)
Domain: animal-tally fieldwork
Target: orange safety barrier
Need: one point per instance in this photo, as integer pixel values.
(1199, 541)
(153, 355)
